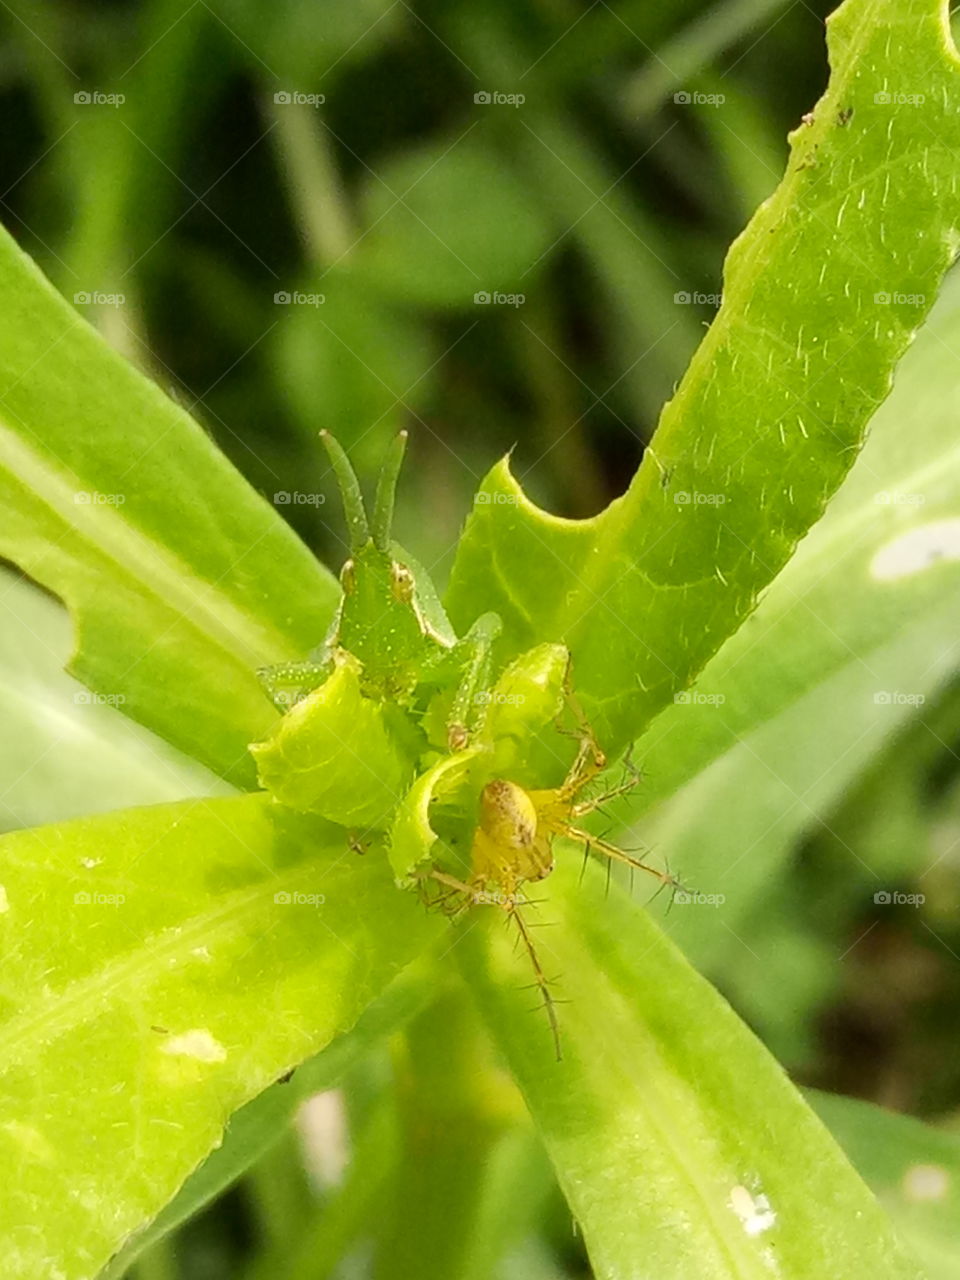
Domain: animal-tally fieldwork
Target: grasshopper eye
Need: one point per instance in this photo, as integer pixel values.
(348, 577)
(401, 582)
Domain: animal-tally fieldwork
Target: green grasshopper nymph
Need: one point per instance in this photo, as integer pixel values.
(390, 618)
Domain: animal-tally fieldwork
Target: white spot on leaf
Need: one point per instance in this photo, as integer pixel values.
(4, 900)
(925, 1182)
(198, 1044)
(916, 550)
(753, 1211)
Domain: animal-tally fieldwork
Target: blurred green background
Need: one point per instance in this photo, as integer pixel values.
(501, 227)
(346, 152)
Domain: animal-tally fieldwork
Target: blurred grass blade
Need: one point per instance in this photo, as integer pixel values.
(823, 293)
(912, 1168)
(681, 1146)
(180, 579)
(694, 48)
(157, 990)
(625, 245)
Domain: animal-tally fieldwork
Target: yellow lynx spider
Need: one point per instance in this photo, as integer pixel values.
(513, 845)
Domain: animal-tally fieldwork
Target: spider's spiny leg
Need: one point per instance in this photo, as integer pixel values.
(540, 980)
(454, 888)
(615, 854)
(630, 781)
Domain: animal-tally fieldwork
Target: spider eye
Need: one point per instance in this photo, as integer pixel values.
(402, 582)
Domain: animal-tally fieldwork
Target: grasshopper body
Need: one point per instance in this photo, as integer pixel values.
(390, 618)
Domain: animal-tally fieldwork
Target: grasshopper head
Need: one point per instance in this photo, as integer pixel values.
(386, 618)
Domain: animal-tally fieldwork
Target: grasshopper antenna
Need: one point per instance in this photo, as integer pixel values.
(386, 489)
(349, 491)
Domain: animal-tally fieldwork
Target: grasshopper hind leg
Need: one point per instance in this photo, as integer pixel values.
(475, 652)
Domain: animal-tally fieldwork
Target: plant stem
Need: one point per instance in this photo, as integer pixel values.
(158, 1263)
(280, 1191)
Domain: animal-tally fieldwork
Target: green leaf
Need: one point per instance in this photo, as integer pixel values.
(258, 1126)
(794, 768)
(180, 579)
(823, 293)
(856, 580)
(527, 697)
(912, 1168)
(64, 752)
(162, 967)
(682, 1148)
(839, 655)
